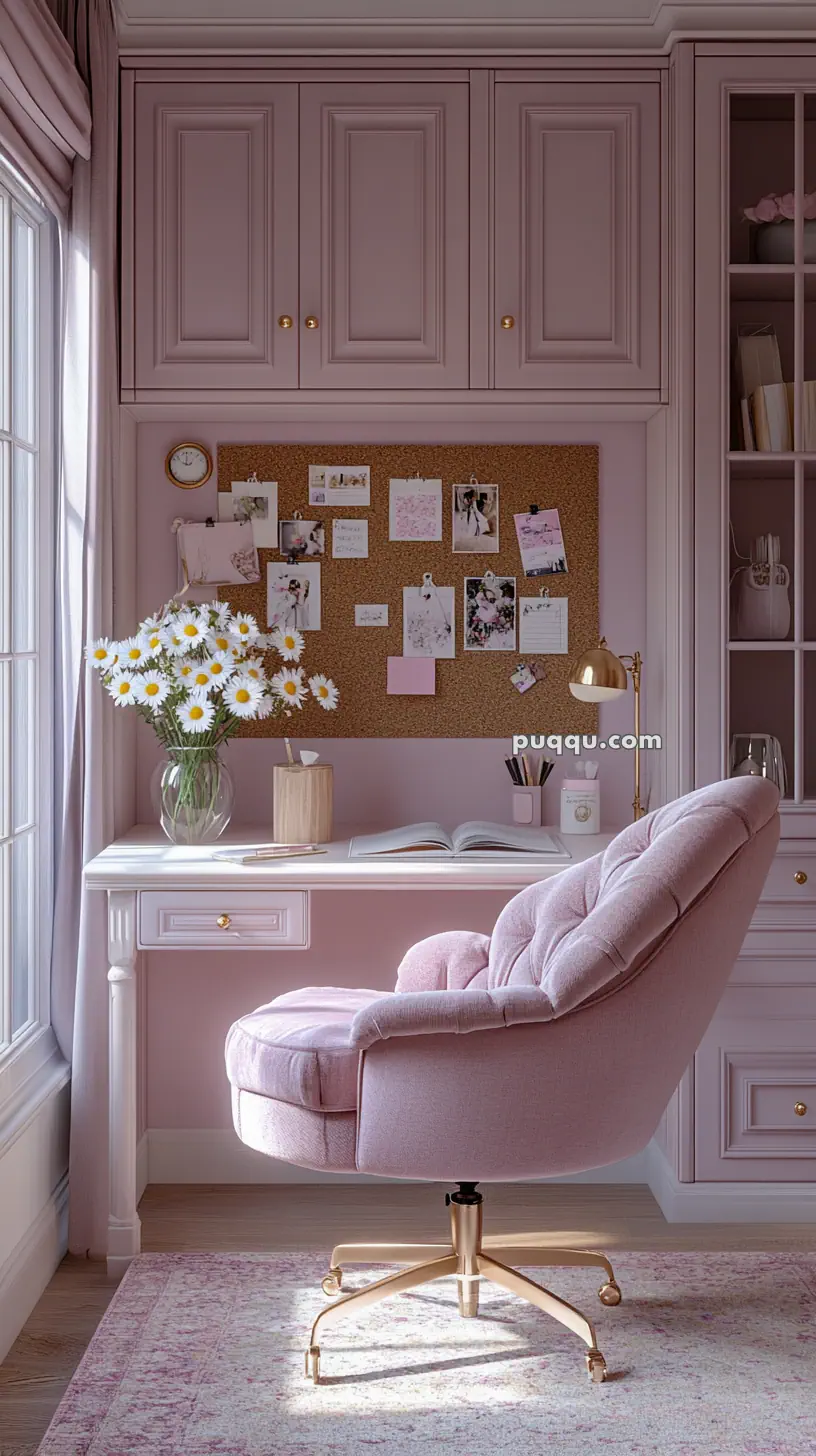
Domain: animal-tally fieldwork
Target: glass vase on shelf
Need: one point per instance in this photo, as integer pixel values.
(193, 794)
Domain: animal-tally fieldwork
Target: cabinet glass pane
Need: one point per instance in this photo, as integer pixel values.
(761, 700)
(761, 163)
(23, 549)
(762, 597)
(810, 178)
(23, 930)
(809, 693)
(23, 339)
(809, 554)
(762, 359)
(23, 741)
(807, 437)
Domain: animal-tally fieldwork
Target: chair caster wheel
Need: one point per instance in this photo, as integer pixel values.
(610, 1293)
(313, 1363)
(332, 1282)
(596, 1367)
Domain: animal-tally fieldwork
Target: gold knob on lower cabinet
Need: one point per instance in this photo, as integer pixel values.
(285, 321)
(223, 922)
(508, 322)
(800, 877)
(800, 1108)
(311, 322)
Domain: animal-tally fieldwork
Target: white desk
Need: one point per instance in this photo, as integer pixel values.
(166, 896)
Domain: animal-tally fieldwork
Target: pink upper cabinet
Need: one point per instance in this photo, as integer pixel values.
(384, 236)
(577, 235)
(215, 235)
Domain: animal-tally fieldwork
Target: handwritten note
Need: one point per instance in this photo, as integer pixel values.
(371, 614)
(543, 624)
(349, 538)
(415, 510)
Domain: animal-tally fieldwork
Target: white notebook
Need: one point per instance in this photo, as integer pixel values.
(476, 837)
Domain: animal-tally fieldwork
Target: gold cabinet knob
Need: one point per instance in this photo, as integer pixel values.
(800, 1108)
(800, 877)
(311, 322)
(223, 922)
(285, 321)
(508, 322)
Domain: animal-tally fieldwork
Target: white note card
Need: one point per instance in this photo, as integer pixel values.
(349, 538)
(371, 614)
(543, 625)
(415, 510)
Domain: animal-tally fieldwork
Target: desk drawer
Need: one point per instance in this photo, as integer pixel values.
(232, 920)
(782, 882)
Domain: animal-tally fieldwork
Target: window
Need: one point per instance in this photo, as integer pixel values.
(27, 511)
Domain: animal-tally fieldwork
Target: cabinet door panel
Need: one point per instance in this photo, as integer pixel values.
(384, 235)
(216, 235)
(578, 235)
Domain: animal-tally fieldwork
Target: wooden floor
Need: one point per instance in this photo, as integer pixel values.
(311, 1218)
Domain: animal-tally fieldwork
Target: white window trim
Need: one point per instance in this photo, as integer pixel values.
(29, 1063)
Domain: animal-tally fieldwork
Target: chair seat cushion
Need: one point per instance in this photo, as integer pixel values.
(296, 1049)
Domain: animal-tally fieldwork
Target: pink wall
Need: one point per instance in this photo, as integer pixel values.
(378, 782)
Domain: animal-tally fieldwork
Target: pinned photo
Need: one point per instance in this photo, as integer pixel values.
(526, 675)
(490, 613)
(428, 621)
(302, 539)
(255, 501)
(340, 485)
(475, 519)
(540, 542)
(293, 596)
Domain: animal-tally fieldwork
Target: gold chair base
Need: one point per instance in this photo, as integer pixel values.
(471, 1258)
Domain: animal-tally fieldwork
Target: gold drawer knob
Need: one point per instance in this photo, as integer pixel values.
(311, 322)
(800, 877)
(285, 321)
(508, 322)
(223, 922)
(800, 1108)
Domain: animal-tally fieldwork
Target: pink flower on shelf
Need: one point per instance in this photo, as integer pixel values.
(787, 205)
(766, 210)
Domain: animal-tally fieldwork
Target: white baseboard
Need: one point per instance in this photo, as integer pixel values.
(30, 1265)
(728, 1202)
(216, 1155)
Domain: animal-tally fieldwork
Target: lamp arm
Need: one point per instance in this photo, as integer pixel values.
(633, 662)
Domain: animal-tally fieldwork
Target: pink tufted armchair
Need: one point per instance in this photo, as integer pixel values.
(551, 1047)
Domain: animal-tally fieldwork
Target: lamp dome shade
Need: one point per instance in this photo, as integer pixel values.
(598, 675)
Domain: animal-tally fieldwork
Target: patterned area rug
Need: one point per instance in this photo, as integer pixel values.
(202, 1355)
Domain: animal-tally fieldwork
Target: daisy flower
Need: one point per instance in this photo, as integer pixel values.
(154, 636)
(242, 696)
(324, 690)
(175, 644)
(219, 613)
(290, 686)
(122, 687)
(266, 707)
(103, 654)
(219, 666)
(244, 627)
(237, 653)
(183, 672)
(192, 627)
(135, 650)
(196, 715)
(151, 688)
(289, 643)
(199, 677)
(255, 670)
(220, 639)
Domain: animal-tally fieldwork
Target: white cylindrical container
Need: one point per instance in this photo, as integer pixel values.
(580, 806)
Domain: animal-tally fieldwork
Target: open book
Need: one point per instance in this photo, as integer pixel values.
(475, 837)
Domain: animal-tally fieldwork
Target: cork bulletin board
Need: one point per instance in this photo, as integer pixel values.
(474, 696)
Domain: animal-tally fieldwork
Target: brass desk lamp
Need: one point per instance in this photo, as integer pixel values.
(597, 677)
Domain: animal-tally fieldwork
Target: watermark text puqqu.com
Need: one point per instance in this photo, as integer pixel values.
(576, 743)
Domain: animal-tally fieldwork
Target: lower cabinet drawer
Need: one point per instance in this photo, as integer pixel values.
(236, 920)
(755, 1100)
(792, 876)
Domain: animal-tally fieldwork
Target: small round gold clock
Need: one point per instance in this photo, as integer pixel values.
(188, 465)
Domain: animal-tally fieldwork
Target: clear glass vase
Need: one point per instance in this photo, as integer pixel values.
(193, 794)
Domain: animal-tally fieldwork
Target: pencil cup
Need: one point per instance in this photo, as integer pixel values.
(302, 812)
(527, 806)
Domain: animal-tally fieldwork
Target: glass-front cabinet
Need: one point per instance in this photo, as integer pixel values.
(755, 430)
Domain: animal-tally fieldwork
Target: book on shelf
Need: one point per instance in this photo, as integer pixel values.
(474, 837)
(757, 358)
(771, 418)
(747, 425)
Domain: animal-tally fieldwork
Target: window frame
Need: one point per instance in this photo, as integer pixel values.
(34, 1046)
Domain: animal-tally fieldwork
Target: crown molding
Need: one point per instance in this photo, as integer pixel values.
(247, 27)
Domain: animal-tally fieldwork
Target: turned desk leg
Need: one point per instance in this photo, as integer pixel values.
(124, 1225)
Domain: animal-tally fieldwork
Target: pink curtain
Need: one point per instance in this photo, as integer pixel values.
(89, 466)
(45, 120)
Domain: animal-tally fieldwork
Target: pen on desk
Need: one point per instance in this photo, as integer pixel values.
(528, 773)
(513, 769)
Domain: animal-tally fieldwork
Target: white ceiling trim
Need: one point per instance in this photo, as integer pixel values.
(456, 27)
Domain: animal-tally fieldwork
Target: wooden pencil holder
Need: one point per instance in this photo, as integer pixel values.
(302, 804)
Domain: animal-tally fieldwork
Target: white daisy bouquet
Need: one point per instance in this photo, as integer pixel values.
(195, 673)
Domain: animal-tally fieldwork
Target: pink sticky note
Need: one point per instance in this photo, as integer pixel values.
(412, 675)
